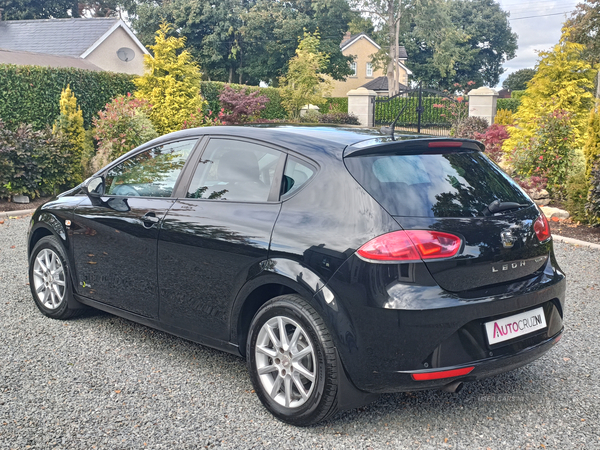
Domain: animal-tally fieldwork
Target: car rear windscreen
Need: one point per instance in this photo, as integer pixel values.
(441, 184)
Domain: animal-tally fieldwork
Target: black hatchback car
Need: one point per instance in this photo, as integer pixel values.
(339, 262)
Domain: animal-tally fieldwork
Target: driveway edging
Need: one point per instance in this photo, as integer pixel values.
(568, 240)
(21, 212)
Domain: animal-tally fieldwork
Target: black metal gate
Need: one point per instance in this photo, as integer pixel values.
(419, 110)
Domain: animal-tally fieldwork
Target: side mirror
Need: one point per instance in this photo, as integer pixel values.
(94, 187)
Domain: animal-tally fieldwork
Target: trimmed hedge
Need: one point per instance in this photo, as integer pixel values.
(385, 113)
(339, 104)
(512, 104)
(31, 94)
(273, 110)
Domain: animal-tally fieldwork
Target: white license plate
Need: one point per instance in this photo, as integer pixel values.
(514, 326)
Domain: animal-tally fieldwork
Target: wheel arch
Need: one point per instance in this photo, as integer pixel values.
(281, 277)
(46, 224)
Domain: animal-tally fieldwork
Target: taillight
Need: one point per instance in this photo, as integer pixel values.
(542, 228)
(411, 245)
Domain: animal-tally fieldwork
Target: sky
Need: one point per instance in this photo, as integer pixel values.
(538, 24)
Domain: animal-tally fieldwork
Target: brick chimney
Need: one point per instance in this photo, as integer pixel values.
(346, 36)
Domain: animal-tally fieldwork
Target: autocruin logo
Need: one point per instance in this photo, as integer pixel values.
(515, 327)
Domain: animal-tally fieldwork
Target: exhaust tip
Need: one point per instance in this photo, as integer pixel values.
(454, 387)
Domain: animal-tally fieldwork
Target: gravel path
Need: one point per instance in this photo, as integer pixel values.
(103, 382)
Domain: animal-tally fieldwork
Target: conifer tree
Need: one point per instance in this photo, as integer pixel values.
(171, 83)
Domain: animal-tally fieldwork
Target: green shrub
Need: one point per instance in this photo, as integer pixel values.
(70, 124)
(550, 153)
(593, 205)
(577, 191)
(335, 105)
(31, 94)
(511, 104)
(517, 94)
(469, 127)
(339, 118)
(33, 162)
(122, 125)
(310, 116)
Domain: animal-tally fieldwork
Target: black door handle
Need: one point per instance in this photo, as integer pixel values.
(150, 219)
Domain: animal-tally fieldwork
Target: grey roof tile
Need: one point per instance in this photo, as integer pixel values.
(66, 37)
(380, 84)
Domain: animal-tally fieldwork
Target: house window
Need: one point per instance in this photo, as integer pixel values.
(369, 69)
(353, 69)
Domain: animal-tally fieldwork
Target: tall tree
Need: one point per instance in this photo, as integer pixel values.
(305, 83)
(563, 81)
(584, 24)
(38, 9)
(389, 13)
(517, 81)
(247, 41)
(457, 41)
(171, 83)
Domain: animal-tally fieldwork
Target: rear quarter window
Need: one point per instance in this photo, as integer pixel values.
(447, 183)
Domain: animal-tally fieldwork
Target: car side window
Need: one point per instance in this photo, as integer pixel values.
(152, 173)
(296, 174)
(234, 170)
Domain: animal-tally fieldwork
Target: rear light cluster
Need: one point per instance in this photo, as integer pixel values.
(411, 245)
(542, 228)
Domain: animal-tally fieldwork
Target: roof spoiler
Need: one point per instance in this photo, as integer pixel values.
(410, 145)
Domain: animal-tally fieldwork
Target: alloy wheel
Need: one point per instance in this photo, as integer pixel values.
(49, 278)
(285, 361)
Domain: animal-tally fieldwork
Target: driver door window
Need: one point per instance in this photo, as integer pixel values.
(152, 173)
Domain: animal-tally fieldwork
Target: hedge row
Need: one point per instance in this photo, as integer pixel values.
(339, 104)
(512, 104)
(385, 112)
(31, 94)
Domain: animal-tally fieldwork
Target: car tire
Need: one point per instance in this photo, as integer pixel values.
(50, 281)
(294, 374)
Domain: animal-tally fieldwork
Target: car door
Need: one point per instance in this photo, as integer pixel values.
(115, 237)
(216, 235)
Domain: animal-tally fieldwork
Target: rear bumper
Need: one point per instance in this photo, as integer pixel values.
(428, 329)
(403, 381)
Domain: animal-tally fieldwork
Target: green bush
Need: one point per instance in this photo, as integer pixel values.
(335, 105)
(511, 104)
(31, 94)
(550, 153)
(310, 116)
(339, 118)
(121, 126)
(470, 127)
(577, 191)
(517, 94)
(273, 109)
(33, 162)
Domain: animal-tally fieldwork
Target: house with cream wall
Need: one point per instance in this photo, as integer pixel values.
(87, 43)
(362, 47)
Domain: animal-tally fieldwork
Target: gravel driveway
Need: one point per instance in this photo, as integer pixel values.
(103, 382)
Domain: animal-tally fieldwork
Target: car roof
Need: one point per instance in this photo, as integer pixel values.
(307, 140)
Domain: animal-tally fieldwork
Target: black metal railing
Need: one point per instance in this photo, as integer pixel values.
(418, 110)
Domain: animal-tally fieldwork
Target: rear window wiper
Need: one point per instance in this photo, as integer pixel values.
(498, 206)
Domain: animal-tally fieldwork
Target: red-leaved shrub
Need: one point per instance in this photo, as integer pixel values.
(239, 107)
(493, 138)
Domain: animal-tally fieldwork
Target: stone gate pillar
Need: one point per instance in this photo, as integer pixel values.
(361, 103)
(482, 103)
